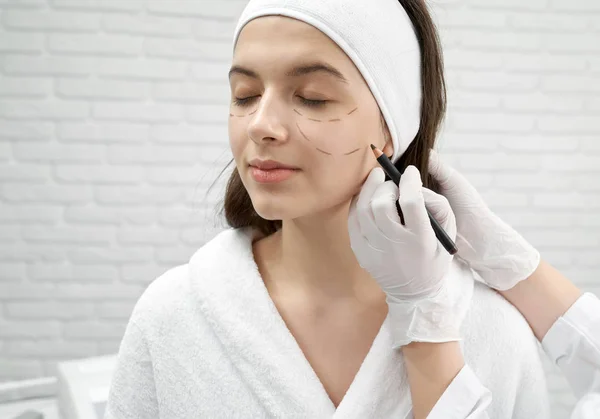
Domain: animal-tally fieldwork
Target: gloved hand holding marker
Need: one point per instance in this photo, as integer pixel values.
(426, 293)
(395, 175)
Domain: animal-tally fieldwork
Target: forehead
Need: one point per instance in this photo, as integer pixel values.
(283, 40)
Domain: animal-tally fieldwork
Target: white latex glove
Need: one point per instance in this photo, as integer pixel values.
(407, 261)
(492, 248)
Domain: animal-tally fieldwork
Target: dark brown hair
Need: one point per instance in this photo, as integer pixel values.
(237, 205)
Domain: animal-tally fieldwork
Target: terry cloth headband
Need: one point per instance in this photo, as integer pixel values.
(379, 38)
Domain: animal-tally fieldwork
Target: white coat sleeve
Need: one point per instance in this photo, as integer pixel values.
(465, 398)
(573, 344)
(132, 393)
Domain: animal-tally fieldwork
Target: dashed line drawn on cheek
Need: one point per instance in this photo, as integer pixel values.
(302, 132)
(321, 150)
(320, 120)
(310, 119)
(243, 116)
(324, 152)
(352, 152)
(330, 120)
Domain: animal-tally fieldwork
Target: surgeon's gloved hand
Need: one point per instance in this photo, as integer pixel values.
(407, 261)
(492, 248)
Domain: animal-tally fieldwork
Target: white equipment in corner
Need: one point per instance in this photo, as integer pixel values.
(83, 387)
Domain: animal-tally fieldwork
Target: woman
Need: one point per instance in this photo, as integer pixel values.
(288, 314)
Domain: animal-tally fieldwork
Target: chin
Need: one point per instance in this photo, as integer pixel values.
(274, 209)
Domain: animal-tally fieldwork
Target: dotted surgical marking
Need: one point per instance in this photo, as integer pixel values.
(320, 150)
(301, 132)
(319, 120)
(243, 116)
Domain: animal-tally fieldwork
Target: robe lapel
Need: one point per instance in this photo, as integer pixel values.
(237, 305)
(380, 388)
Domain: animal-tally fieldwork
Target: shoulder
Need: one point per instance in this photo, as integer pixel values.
(166, 291)
(230, 243)
(174, 291)
(504, 353)
(494, 322)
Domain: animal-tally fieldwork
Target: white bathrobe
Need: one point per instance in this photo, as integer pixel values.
(206, 341)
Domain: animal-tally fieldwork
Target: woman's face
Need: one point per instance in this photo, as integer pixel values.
(296, 98)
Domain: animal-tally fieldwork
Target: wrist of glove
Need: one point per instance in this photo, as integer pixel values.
(436, 318)
(499, 255)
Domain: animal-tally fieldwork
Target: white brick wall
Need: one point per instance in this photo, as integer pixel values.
(113, 123)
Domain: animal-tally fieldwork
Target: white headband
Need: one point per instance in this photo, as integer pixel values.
(379, 38)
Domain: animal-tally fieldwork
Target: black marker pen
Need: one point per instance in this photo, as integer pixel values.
(395, 175)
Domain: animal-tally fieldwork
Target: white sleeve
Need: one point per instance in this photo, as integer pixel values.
(573, 344)
(465, 398)
(132, 393)
(588, 407)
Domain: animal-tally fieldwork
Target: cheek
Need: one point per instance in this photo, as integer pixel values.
(341, 150)
(337, 183)
(335, 138)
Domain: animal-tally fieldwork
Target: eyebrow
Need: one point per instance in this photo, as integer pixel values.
(303, 70)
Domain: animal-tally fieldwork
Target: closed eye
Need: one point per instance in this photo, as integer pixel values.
(245, 101)
(312, 103)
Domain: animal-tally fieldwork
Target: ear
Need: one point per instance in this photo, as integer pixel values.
(388, 149)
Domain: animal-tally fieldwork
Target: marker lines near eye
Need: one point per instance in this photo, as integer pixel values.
(243, 116)
(319, 120)
(324, 152)
(302, 132)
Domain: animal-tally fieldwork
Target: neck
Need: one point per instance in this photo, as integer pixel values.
(312, 256)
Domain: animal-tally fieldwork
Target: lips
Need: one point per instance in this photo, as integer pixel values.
(270, 165)
(271, 176)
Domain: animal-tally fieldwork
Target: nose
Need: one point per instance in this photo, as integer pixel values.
(268, 122)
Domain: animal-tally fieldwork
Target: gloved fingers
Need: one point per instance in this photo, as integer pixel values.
(357, 240)
(440, 171)
(364, 213)
(385, 213)
(376, 177)
(440, 209)
(454, 185)
(412, 202)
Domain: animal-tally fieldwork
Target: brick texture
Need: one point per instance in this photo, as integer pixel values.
(112, 125)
